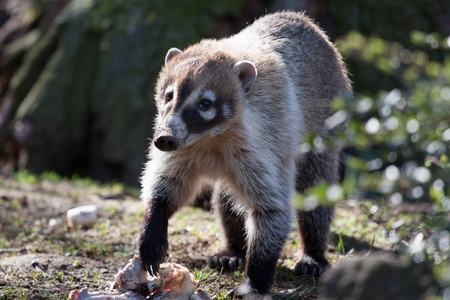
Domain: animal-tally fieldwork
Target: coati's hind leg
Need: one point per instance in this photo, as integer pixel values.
(314, 229)
(314, 225)
(232, 225)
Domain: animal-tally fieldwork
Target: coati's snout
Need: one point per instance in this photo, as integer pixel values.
(166, 143)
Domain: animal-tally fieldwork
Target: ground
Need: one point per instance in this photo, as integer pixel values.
(41, 258)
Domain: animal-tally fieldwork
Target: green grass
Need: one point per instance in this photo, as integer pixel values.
(113, 187)
(340, 246)
(202, 275)
(222, 296)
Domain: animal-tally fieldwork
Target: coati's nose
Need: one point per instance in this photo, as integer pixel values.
(166, 143)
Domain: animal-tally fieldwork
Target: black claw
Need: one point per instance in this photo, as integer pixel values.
(214, 262)
(154, 269)
(302, 269)
(309, 266)
(306, 269)
(234, 263)
(234, 295)
(309, 269)
(225, 262)
(150, 263)
(151, 258)
(298, 269)
(314, 270)
(242, 262)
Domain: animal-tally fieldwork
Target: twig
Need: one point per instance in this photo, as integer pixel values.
(9, 250)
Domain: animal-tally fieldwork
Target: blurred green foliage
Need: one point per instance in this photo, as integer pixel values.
(390, 20)
(397, 144)
(392, 25)
(400, 136)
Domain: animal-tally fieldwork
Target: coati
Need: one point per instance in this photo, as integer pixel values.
(232, 114)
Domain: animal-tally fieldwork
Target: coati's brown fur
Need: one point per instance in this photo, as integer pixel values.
(232, 114)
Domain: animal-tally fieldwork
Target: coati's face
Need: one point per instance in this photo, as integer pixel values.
(197, 96)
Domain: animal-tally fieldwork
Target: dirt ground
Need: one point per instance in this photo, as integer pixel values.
(41, 258)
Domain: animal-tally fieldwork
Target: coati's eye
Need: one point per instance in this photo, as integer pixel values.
(169, 97)
(205, 104)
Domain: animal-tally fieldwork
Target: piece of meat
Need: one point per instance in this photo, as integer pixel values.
(134, 283)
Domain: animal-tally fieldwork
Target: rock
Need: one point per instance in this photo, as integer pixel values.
(84, 216)
(379, 276)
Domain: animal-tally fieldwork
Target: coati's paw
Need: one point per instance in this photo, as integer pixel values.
(229, 260)
(307, 265)
(152, 251)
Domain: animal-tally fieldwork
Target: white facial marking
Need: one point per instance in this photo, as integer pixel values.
(192, 98)
(216, 130)
(208, 114)
(227, 113)
(170, 88)
(208, 94)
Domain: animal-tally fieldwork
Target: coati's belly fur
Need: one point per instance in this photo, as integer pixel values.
(231, 116)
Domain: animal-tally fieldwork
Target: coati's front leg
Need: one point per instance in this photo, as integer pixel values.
(267, 191)
(314, 226)
(255, 237)
(232, 223)
(153, 242)
(163, 195)
(267, 229)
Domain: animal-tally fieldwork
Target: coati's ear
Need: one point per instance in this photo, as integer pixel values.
(247, 74)
(172, 53)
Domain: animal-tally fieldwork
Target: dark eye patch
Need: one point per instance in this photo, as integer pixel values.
(185, 90)
(196, 123)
